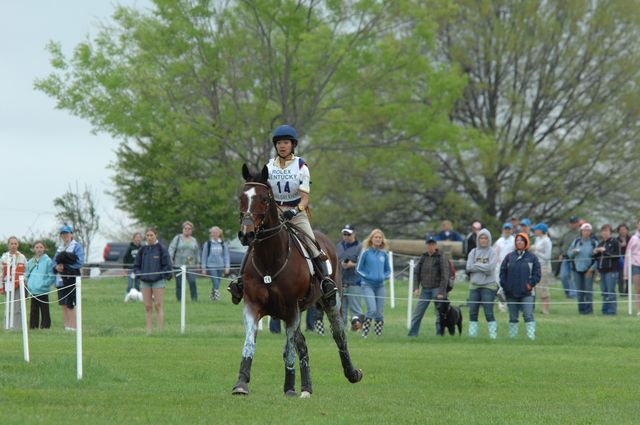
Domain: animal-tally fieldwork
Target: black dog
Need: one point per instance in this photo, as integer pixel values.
(449, 318)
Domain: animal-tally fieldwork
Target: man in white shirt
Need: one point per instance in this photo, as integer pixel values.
(542, 249)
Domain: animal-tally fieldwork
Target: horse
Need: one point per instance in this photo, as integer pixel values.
(278, 283)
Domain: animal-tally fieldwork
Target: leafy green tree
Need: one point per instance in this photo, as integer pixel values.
(195, 87)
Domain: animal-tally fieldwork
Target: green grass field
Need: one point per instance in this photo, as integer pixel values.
(580, 370)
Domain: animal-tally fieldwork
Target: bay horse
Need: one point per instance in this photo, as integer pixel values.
(278, 283)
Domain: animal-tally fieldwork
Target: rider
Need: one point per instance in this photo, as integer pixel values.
(290, 182)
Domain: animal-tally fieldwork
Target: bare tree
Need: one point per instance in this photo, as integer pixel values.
(80, 211)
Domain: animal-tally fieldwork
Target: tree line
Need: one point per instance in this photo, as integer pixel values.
(409, 111)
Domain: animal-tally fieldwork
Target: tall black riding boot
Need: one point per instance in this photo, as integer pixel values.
(236, 288)
(327, 286)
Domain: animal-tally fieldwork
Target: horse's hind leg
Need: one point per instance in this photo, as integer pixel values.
(337, 330)
(305, 371)
(289, 356)
(250, 328)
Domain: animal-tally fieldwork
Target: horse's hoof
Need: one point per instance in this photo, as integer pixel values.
(356, 376)
(305, 394)
(290, 393)
(240, 389)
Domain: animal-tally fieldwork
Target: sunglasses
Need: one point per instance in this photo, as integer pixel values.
(346, 234)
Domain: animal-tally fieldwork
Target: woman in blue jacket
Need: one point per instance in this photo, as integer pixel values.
(519, 274)
(373, 267)
(153, 267)
(40, 278)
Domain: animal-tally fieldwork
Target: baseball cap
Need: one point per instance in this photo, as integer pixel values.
(476, 225)
(542, 227)
(525, 222)
(507, 226)
(573, 219)
(430, 239)
(66, 229)
(586, 226)
(348, 229)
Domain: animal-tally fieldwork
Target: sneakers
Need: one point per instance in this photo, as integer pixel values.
(356, 324)
(365, 328)
(319, 325)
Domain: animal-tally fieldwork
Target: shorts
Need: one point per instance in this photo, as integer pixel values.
(159, 284)
(635, 270)
(542, 288)
(67, 296)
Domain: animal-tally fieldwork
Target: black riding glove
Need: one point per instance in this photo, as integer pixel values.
(289, 214)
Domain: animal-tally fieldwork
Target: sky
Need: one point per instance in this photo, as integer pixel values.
(44, 151)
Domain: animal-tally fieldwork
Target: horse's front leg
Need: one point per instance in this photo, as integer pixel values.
(249, 349)
(289, 356)
(337, 330)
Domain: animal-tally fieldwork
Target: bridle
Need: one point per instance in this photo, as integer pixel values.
(261, 233)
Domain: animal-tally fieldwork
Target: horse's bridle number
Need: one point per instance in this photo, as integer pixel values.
(267, 280)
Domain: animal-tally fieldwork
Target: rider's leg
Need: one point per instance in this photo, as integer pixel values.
(236, 287)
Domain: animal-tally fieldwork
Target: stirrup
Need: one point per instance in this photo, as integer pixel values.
(329, 290)
(236, 288)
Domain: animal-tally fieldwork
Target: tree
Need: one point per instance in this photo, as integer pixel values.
(551, 112)
(191, 108)
(79, 210)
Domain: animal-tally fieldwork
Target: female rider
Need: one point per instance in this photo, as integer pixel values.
(290, 182)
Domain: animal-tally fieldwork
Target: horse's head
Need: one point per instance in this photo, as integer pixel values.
(256, 202)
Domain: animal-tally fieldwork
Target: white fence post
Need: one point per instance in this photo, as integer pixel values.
(410, 293)
(392, 282)
(79, 325)
(183, 279)
(629, 286)
(23, 308)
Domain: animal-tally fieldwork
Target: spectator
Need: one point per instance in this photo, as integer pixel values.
(373, 267)
(185, 251)
(519, 274)
(430, 283)
(623, 241)
(481, 265)
(632, 256)
(525, 227)
(447, 234)
(348, 250)
(581, 252)
(606, 256)
(13, 266)
(129, 261)
(153, 265)
(515, 224)
(67, 263)
(470, 241)
(566, 266)
(40, 277)
(503, 246)
(215, 260)
(542, 249)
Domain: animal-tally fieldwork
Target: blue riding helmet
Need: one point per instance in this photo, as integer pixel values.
(285, 132)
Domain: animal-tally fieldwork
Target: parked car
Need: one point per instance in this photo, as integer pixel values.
(236, 252)
(113, 256)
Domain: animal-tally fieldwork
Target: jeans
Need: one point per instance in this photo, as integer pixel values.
(584, 288)
(313, 314)
(484, 297)
(374, 298)
(191, 278)
(215, 274)
(565, 276)
(608, 291)
(352, 301)
(516, 304)
(426, 296)
(133, 283)
(274, 326)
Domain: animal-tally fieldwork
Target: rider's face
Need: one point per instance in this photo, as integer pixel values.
(284, 148)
